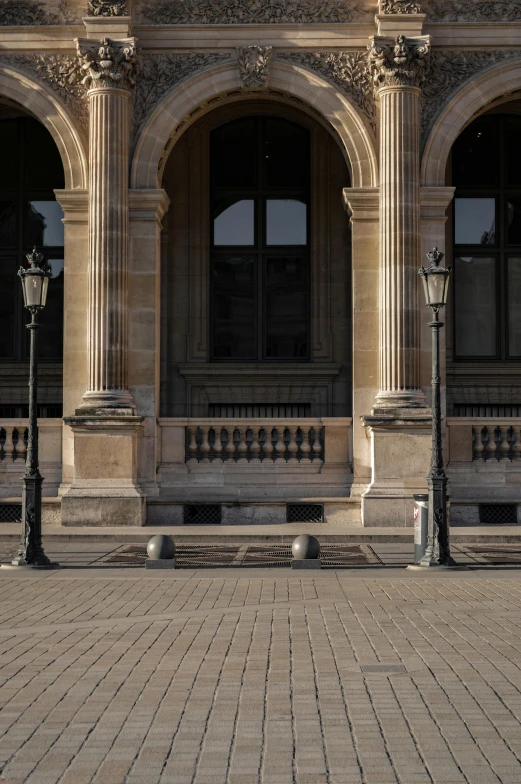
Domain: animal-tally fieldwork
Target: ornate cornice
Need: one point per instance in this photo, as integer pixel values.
(254, 65)
(449, 69)
(107, 8)
(59, 71)
(107, 63)
(474, 10)
(252, 11)
(398, 63)
(346, 70)
(160, 73)
(400, 7)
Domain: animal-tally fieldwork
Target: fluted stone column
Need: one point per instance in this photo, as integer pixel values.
(105, 488)
(398, 68)
(399, 427)
(109, 69)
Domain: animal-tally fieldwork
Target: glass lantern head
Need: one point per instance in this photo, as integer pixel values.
(435, 280)
(35, 281)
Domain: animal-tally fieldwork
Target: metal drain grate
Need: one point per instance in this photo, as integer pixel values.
(498, 514)
(304, 513)
(202, 514)
(10, 513)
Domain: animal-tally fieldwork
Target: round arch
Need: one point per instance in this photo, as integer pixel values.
(468, 102)
(189, 100)
(45, 107)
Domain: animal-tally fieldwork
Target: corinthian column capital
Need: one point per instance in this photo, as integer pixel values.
(107, 63)
(399, 62)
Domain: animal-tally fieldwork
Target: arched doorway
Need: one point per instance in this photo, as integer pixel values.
(484, 342)
(256, 292)
(29, 216)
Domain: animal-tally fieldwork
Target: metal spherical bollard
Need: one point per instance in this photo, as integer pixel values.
(161, 552)
(306, 552)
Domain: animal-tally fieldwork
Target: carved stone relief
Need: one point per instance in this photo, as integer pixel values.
(400, 7)
(254, 65)
(402, 62)
(347, 70)
(159, 73)
(107, 8)
(36, 12)
(252, 11)
(474, 10)
(61, 72)
(449, 69)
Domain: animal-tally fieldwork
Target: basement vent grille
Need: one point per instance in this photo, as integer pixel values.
(498, 514)
(10, 513)
(202, 514)
(304, 513)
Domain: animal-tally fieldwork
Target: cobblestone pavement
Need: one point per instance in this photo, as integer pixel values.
(122, 676)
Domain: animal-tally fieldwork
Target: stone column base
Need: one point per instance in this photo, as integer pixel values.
(104, 491)
(401, 454)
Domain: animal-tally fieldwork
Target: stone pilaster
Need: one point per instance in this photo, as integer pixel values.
(108, 68)
(398, 68)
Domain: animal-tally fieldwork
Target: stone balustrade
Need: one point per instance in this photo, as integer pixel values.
(13, 449)
(484, 439)
(297, 442)
(291, 441)
(13, 439)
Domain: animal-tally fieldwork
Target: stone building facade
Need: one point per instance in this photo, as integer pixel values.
(235, 198)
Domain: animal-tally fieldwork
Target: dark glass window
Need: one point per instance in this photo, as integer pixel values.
(260, 291)
(487, 236)
(30, 169)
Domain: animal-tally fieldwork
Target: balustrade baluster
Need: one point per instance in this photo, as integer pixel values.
(267, 446)
(242, 448)
(255, 446)
(192, 443)
(305, 446)
(516, 446)
(280, 446)
(204, 449)
(217, 444)
(479, 447)
(317, 445)
(9, 445)
(504, 446)
(21, 446)
(230, 445)
(491, 447)
(292, 445)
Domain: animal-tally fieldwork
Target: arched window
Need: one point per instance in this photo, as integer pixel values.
(30, 169)
(260, 291)
(487, 240)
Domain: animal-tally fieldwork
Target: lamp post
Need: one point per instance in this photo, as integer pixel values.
(35, 281)
(436, 284)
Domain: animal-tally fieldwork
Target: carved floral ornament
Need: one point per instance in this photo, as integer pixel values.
(107, 8)
(252, 11)
(400, 7)
(107, 63)
(254, 63)
(399, 63)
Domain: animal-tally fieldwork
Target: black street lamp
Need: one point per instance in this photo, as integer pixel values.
(436, 284)
(35, 281)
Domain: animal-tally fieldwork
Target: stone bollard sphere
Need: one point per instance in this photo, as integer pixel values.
(161, 547)
(305, 547)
